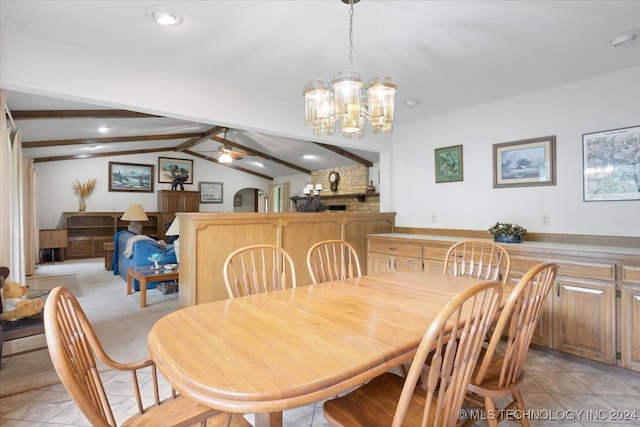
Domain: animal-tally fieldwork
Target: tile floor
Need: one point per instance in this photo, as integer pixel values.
(558, 390)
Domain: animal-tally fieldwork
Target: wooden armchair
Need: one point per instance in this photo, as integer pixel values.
(22, 328)
(450, 347)
(332, 260)
(499, 375)
(258, 269)
(479, 259)
(73, 346)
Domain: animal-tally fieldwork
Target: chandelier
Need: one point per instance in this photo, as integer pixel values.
(346, 100)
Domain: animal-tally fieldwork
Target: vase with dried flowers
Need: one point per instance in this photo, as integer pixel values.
(83, 191)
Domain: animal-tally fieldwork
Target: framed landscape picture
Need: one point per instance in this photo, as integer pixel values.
(210, 192)
(525, 163)
(448, 164)
(611, 165)
(130, 177)
(170, 169)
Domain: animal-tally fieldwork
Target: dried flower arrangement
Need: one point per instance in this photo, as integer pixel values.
(83, 190)
(507, 233)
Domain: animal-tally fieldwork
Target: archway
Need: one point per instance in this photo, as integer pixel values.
(250, 200)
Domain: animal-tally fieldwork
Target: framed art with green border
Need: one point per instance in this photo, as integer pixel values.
(448, 164)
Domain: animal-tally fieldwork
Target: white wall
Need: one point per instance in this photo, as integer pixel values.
(606, 102)
(56, 196)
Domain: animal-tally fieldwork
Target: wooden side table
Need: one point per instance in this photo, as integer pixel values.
(108, 255)
(148, 274)
(53, 239)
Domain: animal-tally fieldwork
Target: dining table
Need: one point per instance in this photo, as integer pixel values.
(270, 352)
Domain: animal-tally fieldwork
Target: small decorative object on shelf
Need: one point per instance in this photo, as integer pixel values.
(156, 258)
(371, 188)
(83, 191)
(507, 233)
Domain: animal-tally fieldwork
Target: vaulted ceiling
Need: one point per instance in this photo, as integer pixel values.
(242, 65)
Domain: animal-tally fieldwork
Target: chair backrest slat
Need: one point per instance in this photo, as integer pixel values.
(479, 259)
(331, 260)
(258, 269)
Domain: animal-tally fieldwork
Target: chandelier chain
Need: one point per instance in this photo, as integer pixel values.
(351, 34)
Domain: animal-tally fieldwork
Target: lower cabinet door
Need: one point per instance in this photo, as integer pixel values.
(585, 318)
(630, 327)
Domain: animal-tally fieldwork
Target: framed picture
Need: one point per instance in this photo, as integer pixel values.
(525, 163)
(611, 163)
(210, 192)
(170, 169)
(448, 164)
(130, 177)
(237, 200)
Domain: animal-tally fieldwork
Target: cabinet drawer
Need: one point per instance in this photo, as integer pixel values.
(631, 274)
(587, 270)
(398, 249)
(432, 252)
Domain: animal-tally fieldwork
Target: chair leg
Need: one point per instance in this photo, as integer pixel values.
(491, 412)
(519, 404)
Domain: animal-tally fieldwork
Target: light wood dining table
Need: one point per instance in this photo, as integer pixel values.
(267, 353)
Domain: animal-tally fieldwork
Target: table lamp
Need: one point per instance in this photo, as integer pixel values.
(174, 230)
(135, 214)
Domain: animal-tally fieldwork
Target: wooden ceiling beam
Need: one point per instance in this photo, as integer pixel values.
(229, 165)
(94, 155)
(345, 153)
(85, 141)
(198, 139)
(265, 156)
(77, 114)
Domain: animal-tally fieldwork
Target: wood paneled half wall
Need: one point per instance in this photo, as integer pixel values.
(206, 239)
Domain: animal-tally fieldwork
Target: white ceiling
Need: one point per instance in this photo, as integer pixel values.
(448, 54)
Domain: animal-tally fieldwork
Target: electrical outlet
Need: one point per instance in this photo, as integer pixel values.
(433, 218)
(545, 219)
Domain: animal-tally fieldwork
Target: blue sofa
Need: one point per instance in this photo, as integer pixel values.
(142, 250)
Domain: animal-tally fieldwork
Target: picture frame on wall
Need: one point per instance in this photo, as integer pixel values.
(211, 192)
(132, 177)
(525, 163)
(237, 200)
(611, 165)
(170, 169)
(449, 167)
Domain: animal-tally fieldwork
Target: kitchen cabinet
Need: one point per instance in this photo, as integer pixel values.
(593, 310)
(392, 256)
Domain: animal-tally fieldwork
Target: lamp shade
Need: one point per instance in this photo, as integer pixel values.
(174, 228)
(135, 213)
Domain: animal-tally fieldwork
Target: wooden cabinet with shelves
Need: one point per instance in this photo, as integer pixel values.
(88, 231)
(597, 288)
(170, 202)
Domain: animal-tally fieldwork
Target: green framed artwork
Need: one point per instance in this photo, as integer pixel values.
(448, 164)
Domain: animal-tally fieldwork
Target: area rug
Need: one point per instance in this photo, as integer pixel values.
(121, 325)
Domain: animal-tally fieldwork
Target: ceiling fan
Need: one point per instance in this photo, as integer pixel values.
(226, 154)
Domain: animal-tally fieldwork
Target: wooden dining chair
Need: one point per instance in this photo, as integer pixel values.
(500, 374)
(258, 269)
(331, 260)
(450, 347)
(73, 346)
(480, 259)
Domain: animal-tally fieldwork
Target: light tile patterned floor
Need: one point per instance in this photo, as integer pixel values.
(559, 390)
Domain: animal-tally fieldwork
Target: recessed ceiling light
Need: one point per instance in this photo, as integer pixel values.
(309, 157)
(163, 16)
(103, 129)
(625, 38)
(412, 102)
